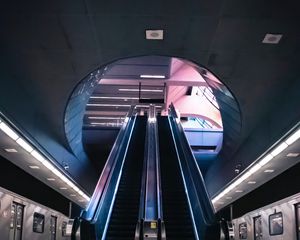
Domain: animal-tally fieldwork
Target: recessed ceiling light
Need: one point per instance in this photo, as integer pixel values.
(269, 171)
(155, 34)
(239, 191)
(292, 155)
(272, 38)
(72, 195)
(228, 197)
(10, 150)
(34, 167)
(51, 179)
(63, 188)
(251, 182)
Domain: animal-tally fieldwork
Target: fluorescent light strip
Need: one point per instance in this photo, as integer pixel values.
(279, 149)
(120, 98)
(38, 156)
(293, 138)
(8, 131)
(24, 145)
(106, 124)
(152, 76)
(137, 90)
(107, 118)
(263, 161)
(107, 105)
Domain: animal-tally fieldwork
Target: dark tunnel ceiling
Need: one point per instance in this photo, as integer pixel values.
(47, 47)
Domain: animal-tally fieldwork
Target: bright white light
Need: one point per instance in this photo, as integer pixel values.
(80, 192)
(24, 145)
(76, 189)
(279, 149)
(87, 197)
(57, 173)
(48, 165)
(10, 150)
(269, 171)
(239, 191)
(152, 119)
(106, 118)
(51, 179)
(251, 182)
(294, 137)
(34, 167)
(8, 131)
(63, 188)
(152, 76)
(38, 156)
(255, 168)
(265, 160)
(107, 105)
(137, 90)
(120, 98)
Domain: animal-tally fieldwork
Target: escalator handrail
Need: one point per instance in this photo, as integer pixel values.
(89, 213)
(106, 203)
(158, 177)
(207, 208)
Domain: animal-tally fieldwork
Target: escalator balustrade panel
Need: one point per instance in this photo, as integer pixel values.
(176, 211)
(126, 206)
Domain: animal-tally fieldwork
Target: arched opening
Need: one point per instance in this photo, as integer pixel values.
(108, 93)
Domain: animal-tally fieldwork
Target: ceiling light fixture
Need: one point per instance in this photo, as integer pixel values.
(292, 155)
(272, 38)
(251, 182)
(266, 158)
(153, 76)
(107, 118)
(10, 150)
(24, 145)
(119, 98)
(107, 105)
(154, 34)
(137, 90)
(9, 131)
(34, 167)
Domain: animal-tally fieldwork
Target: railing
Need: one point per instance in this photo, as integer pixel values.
(202, 211)
(150, 224)
(89, 213)
(104, 208)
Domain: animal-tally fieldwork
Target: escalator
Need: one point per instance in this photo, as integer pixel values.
(176, 213)
(126, 206)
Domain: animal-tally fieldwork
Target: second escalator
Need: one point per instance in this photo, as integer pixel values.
(126, 207)
(176, 214)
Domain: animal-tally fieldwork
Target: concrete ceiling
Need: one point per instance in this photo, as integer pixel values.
(47, 47)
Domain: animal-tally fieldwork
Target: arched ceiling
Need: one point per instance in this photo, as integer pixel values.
(47, 47)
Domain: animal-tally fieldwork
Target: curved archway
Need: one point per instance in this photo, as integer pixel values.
(180, 81)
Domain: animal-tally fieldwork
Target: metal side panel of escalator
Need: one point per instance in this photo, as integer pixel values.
(177, 217)
(125, 211)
